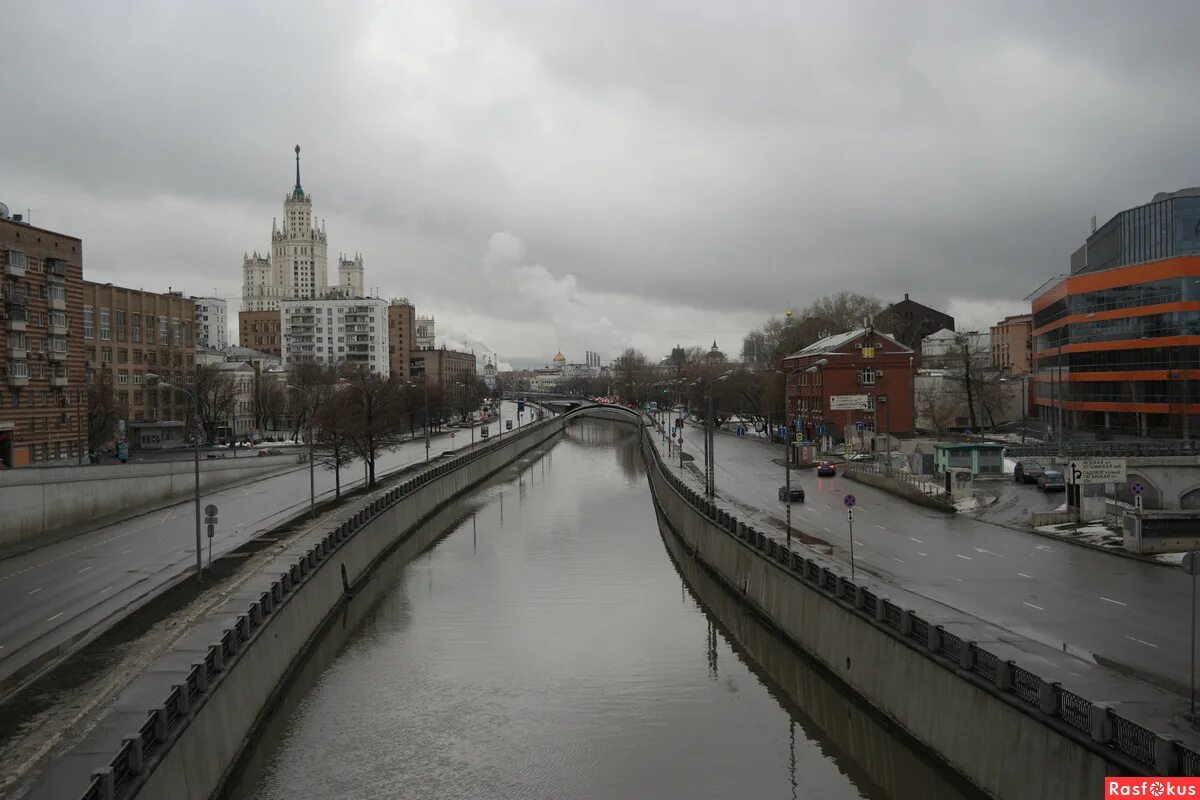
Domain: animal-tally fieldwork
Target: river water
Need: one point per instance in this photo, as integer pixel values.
(551, 646)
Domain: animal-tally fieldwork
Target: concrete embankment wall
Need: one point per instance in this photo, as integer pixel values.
(40, 503)
(188, 747)
(970, 710)
(899, 488)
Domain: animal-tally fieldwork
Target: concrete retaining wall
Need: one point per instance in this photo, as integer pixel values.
(189, 753)
(1005, 749)
(40, 503)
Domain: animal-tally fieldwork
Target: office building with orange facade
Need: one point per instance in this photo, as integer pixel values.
(1116, 343)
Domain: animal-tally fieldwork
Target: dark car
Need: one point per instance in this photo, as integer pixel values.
(1027, 471)
(797, 494)
(1051, 481)
(826, 469)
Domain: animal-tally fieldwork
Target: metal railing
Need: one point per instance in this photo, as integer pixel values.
(139, 753)
(1136, 747)
(1133, 447)
(922, 483)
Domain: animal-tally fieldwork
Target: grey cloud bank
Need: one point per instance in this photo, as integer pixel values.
(548, 175)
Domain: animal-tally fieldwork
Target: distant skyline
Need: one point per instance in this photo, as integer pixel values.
(544, 176)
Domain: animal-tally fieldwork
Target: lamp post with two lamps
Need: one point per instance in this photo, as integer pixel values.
(191, 393)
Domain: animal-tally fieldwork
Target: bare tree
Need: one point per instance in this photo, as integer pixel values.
(332, 427)
(216, 398)
(630, 374)
(310, 385)
(939, 407)
(377, 409)
(103, 409)
(270, 401)
(976, 384)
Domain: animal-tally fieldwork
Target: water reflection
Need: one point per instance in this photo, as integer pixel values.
(550, 654)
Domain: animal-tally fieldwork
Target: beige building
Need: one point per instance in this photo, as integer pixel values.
(443, 370)
(1012, 344)
(133, 334)
(42, 394)
(402, 336)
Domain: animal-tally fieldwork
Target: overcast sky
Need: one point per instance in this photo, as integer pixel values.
(552, 174)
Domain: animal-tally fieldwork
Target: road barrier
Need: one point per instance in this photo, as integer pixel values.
(1134, 448)
(1124, 744)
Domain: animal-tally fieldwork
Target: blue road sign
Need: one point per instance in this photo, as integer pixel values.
(820, 430)
(858, 426)
(1137, 487)
(849, 501)
(520, 406)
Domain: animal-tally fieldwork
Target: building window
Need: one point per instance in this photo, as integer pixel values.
(135, 328)
(106, 355)
(866, 377)
(122, 377)
(120, 326)
(137, 379)
(175, 338)
(105, 324)
(58, 344)
(162, 330)
(89, 331)
(122, 356)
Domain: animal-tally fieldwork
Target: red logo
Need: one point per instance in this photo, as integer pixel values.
(1151, 787)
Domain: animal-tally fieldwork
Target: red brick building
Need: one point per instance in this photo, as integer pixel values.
(261, 331)
(42, 389)
(861, 362)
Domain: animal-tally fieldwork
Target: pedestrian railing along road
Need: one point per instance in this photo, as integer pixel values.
(1138, 749)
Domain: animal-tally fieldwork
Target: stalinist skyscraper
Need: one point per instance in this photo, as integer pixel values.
(296, 266)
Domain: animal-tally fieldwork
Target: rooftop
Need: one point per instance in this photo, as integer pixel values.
(831, 344)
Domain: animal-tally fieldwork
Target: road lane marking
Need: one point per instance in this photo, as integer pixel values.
(967, 558)
(1023, 575)
(901, 560)
(957, 580)
(915, 539)
(1141, 641)
(81, 571)
(1110, 600)
(881, 527)
(1031, 605)
(56, 616)
(106, 589)
(922, 554)
(828, 530)
(38, 589)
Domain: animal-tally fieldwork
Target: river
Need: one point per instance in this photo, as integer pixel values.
(549, 645)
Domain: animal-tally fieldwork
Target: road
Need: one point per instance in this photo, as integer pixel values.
(1130, 614)
(59, 591)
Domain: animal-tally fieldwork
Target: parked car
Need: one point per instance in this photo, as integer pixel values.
(1051, 481)
(797, 494)
(1027, 471)
(270, 451)
(826, 469)
(863, 457)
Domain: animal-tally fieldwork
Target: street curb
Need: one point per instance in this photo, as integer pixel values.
(1076, 543)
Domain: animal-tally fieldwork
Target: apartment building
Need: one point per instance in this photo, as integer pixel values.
(131, 334)
(212, 322)
(336, 331)
(402, 335)
(43, 400)
(1012, 344)
(260, 330)
(445, 370)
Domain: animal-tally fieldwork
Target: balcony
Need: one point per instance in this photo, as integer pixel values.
(59, 381)
(17, 350)
(57, 330)
(15, 263)
(57, 355)
(18, 373)
(57, 302)
(16, 318)
(56, 269)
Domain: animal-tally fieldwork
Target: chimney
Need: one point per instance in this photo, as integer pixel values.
(906, 295)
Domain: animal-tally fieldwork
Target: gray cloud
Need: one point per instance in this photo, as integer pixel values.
(672, 171)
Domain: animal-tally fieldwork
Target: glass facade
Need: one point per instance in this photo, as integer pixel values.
(1171, 290)
(1157, 230)
(1151, 326)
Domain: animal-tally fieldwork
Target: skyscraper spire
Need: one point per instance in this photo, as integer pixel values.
(298, 193)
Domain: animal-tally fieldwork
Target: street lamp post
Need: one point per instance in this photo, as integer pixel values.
(425, 391)
(887, 421)
(196, 451)
(787, 450)
(312, 478)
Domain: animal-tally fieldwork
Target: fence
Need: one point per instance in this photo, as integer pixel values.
(163, 725)
(1142, 749)
(925, 484)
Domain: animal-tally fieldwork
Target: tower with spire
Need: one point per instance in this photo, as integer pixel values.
(296, 267)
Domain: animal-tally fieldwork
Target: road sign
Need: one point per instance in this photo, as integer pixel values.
(820, 430)
(1137, 487)
(452, 436)
(211, 527)
(1096, 470)
(849, 402)
(1191, 562)
(858, 426)
(211, 510)
(849, 501)
(967, 432)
